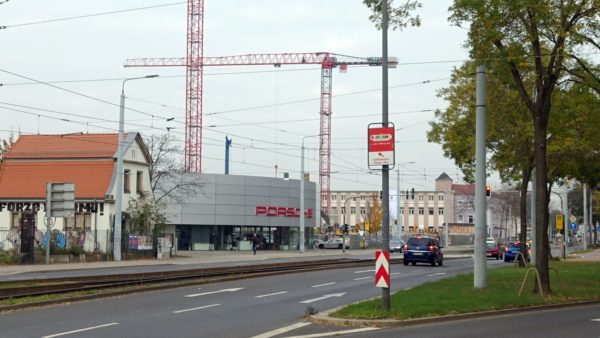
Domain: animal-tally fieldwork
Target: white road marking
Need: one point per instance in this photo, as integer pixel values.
(79, 330)
(10, 273)
(359, 278)
(394, 273)
(595, 320)
(213, 292)
(271, 294)
(319, 285)
(336, 333)
(281, 330)
(308, 301)
(196, 308)
(436, 274)
(363, 271)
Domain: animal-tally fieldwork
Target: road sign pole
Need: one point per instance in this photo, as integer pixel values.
(48, 220)
(480, 264)
(385, 175)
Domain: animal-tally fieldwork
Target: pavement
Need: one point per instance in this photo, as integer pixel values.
(224, 257)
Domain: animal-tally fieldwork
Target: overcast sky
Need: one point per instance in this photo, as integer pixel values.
(91, 51)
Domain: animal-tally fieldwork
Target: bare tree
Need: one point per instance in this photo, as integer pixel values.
(5, 145)
(167, 178)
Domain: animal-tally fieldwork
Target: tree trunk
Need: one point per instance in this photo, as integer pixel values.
(526, 172)
(541, 239)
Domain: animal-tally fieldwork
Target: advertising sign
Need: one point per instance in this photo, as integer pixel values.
(381, 145)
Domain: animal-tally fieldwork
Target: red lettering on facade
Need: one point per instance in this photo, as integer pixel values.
(271, 211)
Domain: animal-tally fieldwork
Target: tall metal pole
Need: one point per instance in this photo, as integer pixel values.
(480, 264)
(585, 219)
(48, 209)
(119, 187)
(533, 216)
(385, 175)
(302, 197)
(565, 207)
(398, 216)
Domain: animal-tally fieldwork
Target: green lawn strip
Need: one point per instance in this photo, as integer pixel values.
(456, 295)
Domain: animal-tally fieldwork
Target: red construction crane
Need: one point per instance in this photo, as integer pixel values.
(328, 61)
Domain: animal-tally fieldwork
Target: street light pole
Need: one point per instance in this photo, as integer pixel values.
(119, 192)
(302, 192)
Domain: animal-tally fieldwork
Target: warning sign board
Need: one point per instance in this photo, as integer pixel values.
(382, 269)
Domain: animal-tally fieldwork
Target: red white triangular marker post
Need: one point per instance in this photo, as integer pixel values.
(382, 269)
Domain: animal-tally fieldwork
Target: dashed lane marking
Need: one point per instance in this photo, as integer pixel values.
(281, 330)
(196, 308)
(271, 294)
(319, 285)
(213, 292)
(364, 271)
(79, 330)
(436, 274)
(360, 278)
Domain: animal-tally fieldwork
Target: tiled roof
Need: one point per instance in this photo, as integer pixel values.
(464, 189)
(27, 179)
(64, 146)
(443, 177)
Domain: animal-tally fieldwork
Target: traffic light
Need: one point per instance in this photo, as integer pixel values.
(381, 194)
(488, 191)
(412, 193)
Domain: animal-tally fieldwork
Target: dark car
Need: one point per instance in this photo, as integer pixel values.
(493, 250)
(396, 245)
(511, 251)
(423, 249)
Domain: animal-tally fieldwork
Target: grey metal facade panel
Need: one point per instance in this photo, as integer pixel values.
(233, 210)
(230, 189)
(252, 190)
(230, 200)
(229, 220)
(238, 207)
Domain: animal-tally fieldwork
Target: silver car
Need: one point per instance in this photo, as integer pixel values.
(334, 243)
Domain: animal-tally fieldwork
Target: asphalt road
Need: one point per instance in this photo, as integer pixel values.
(244, 308)
(573, 322)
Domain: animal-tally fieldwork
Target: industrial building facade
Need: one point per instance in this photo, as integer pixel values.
(228, 211)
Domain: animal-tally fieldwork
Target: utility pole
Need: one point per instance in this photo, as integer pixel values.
(398, 216)
(480, 264)
(585, 221)
(533, 216)
(385, 175)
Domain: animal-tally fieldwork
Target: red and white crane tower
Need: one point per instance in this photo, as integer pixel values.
(193, 121)
(195, 61)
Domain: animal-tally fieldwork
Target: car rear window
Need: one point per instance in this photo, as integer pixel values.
(491, 245)
(514, 245)
(418, 241)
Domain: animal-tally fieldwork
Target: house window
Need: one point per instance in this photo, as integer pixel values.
(440, 197)
(352, 210)
(420, 197)
(343, 210)
(401, 211)
(421, 211)
(363, 211)
(431, 197)
(440, 211)
(333, 197)
(132, 153)
(431, 211)
(343, 197)
(15, 221)
(362, 197)
(334, 211)
(139, 185)
(81, 220)
(126, 182)
(411, 211)
(461, 219)
(470, 218)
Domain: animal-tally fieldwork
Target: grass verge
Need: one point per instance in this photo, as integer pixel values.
(456, 295)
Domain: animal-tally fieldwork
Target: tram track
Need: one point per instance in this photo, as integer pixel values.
(69, 289)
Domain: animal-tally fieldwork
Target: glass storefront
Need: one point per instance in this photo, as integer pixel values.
(208, 237)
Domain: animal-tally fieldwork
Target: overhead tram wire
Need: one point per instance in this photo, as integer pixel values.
(93, 15)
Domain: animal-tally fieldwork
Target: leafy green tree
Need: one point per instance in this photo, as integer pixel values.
(509, 130)
(373, 214)
(530, 39)
(399, 17)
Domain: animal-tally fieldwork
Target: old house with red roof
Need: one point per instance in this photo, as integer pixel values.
(88, 161)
